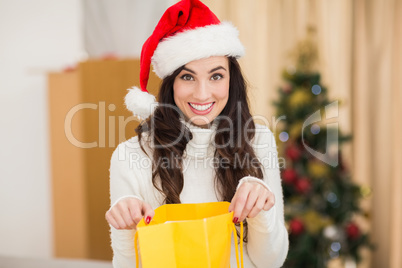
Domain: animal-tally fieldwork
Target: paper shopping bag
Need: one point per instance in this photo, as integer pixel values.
(188, 235)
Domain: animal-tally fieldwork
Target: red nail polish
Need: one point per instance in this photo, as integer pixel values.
(148, 220)
(235, 219)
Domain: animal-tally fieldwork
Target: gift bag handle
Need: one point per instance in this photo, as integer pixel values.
(235, 239)
(136, 250)
(241, 244)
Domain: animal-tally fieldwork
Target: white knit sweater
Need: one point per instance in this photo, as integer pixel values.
(130, 175)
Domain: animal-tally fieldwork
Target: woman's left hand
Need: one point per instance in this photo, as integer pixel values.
(249, 200)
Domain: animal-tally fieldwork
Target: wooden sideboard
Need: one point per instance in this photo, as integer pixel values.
(88, 120)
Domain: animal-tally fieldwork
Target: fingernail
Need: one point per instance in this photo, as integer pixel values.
(235, 219)
(148, 220)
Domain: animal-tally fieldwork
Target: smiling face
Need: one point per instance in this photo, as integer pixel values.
(201, 89)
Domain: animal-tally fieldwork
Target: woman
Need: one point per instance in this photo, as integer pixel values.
(200, 143)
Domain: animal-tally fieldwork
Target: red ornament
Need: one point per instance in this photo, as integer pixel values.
(352, 230)
(293, 152)
(289, 176)
(287, 88)
(296, 226)
(303, 185)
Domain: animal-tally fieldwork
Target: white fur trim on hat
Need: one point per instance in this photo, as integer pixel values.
(142, 104)
(203, 42)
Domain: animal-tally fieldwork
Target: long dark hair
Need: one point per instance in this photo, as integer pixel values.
(232, 140)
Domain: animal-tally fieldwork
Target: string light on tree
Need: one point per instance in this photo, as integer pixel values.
(315, 129)
(316, 89)
(284, 136)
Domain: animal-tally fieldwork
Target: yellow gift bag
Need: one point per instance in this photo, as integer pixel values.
(188, 235)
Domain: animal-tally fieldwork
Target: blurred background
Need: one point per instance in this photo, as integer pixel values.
(64, 70)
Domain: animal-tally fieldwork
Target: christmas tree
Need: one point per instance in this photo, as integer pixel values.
(321, 201)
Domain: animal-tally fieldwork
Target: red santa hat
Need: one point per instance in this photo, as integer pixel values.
(187, 31)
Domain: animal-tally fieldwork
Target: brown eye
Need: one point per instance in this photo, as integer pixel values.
(187, 77)
(216, 77)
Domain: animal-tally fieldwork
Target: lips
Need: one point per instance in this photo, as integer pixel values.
(201, 109)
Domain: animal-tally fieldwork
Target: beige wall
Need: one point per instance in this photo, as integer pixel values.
(35, 37)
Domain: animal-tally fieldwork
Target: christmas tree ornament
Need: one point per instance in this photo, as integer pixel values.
(289, 176)
(365, 191)
(299, 98)
(352, 231)
(296, 130)
(315, 222)
(293, 152)
(318, 169)
(186, 32)
(296, 227)
(303, 185)
(287, 88)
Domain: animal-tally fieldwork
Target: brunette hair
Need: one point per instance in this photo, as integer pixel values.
(166, 129)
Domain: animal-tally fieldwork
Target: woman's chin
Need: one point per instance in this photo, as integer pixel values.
(203, 122)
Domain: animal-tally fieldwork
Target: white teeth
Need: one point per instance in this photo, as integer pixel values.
(201, 107)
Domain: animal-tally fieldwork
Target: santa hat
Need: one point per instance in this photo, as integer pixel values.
(187, 31)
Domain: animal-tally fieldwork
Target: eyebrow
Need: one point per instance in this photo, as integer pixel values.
(189, 70)
(213, 70)
(217, 68)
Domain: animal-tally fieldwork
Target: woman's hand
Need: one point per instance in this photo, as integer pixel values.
(128, 212)
(249, 200)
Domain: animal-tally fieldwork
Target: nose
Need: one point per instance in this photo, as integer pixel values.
(202, 92)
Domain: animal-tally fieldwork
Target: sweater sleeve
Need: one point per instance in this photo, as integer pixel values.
(267, 235)
(124, 182)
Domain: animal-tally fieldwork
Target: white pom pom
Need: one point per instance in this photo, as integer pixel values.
(140, 103)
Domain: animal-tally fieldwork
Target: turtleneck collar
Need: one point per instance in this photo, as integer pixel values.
(202, 143)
